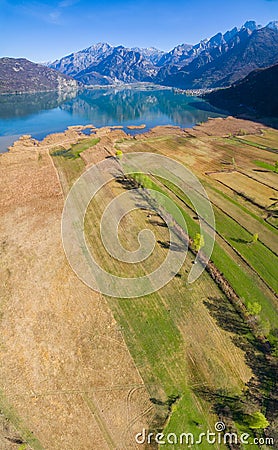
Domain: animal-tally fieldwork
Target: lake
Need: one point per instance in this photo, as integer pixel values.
(49, 112)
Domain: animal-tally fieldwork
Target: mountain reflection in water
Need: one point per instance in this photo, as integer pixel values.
(49, 112)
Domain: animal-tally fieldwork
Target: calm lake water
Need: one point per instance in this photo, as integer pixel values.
(44, 113)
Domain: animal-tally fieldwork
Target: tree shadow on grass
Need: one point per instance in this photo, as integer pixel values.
(261, 391)
(224, 404)
(240, 241)
(225, 315)
(157, 223)
(174, 247)
(125, 182)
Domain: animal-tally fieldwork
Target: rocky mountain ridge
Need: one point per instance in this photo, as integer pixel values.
(224, 60)
(218, 61)
(23, 76)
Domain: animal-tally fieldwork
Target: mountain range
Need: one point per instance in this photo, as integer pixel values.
(103, 64)
(218, 61)
(21, 76)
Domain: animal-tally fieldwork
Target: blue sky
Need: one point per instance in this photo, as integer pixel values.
(44, 30)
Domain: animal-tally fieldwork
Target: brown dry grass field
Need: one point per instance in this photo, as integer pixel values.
(78, 370)
(66, 371)
(254, 190)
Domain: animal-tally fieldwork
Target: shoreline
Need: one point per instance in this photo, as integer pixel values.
(138, 85)
(22, 113)
(135, 131)
(130, 130)
(214, 126)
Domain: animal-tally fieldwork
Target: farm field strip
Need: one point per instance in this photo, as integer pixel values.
(264, 178)
(246, 186)
(244, 217)
(255, 144)
(254, 210)
(258, 141)
(264, 165)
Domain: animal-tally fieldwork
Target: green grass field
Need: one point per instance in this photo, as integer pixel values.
(266, 166)
(76, 149)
